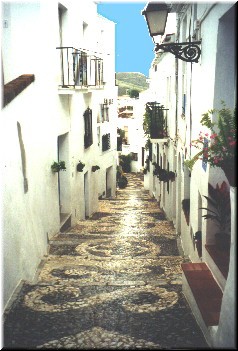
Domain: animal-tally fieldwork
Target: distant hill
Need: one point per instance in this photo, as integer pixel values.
(130, 80)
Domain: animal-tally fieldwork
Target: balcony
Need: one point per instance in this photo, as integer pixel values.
(79, 70)
(155, 122)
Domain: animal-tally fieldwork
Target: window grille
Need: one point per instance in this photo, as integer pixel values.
(157, 120)
(88, 134)
(119, 143)
(106, 142)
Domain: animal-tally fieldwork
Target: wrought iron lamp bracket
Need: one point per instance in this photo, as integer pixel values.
(188, 51)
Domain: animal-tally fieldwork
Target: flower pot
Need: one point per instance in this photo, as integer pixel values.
(80, 167)
(58, 166)
(95, 168)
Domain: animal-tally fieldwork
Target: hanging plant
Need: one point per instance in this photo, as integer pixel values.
(80, 166)
(171, 176)
(95, 168)
(58, 166)
(147, 161)
(163, 175)
(156, 169)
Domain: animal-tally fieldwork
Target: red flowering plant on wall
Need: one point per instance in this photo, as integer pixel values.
(218, 146)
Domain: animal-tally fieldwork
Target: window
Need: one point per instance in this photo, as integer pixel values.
(184, 104)
(104, 112)
(150, 151)
(125, 139)
(119, 143)
(106, 142)
(98, 135)
(134, 156)
(88, 134)
(99, 71)
(157, 159)
(80, 62)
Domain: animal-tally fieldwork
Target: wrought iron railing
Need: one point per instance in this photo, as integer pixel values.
(106, 142)
(79, 68)
(155, 121)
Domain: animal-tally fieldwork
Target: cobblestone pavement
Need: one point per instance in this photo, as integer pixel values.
(111, 282)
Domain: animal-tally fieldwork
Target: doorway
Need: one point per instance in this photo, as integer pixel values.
(109, 182)
(63, 180)
(86, 195)
(178, 199)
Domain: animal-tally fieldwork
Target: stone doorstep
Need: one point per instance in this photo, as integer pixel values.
(221, 259)
(206, 292)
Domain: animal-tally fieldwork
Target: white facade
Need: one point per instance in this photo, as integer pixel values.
(162, 90)
(130, 120)
(46, 123)
(200, 87)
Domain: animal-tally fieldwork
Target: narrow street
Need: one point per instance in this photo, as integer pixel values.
(111, 282)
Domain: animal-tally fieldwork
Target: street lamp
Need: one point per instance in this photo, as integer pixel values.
(156, 14)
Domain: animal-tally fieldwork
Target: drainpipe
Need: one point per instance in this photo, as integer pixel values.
(176, 85)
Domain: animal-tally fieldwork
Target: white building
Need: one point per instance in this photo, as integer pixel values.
(130, 121)
(163, 151)
(59, 104)
(188, 90)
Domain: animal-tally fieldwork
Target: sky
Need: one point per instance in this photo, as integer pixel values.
(134, 46)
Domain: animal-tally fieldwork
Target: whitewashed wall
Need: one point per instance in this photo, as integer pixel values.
(44, 113)
(207, 90)
(205, 84)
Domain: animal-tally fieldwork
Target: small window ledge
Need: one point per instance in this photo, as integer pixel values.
(16, 86)
(163, 140)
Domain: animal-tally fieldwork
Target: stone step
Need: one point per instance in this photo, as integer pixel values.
(205, 290)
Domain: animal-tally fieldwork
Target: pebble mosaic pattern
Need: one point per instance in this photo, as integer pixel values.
(111, 282)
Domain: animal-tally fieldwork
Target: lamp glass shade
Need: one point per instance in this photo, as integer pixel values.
(156, 17)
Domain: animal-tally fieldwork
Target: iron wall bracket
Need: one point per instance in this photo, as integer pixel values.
(188, 51)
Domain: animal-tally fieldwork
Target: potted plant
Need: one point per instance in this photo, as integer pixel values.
(221, 148)
(219, 212)
(80, 166)
(122, 182)
(121, 178)
(95, 168)
(125, 162)
(58, 166)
